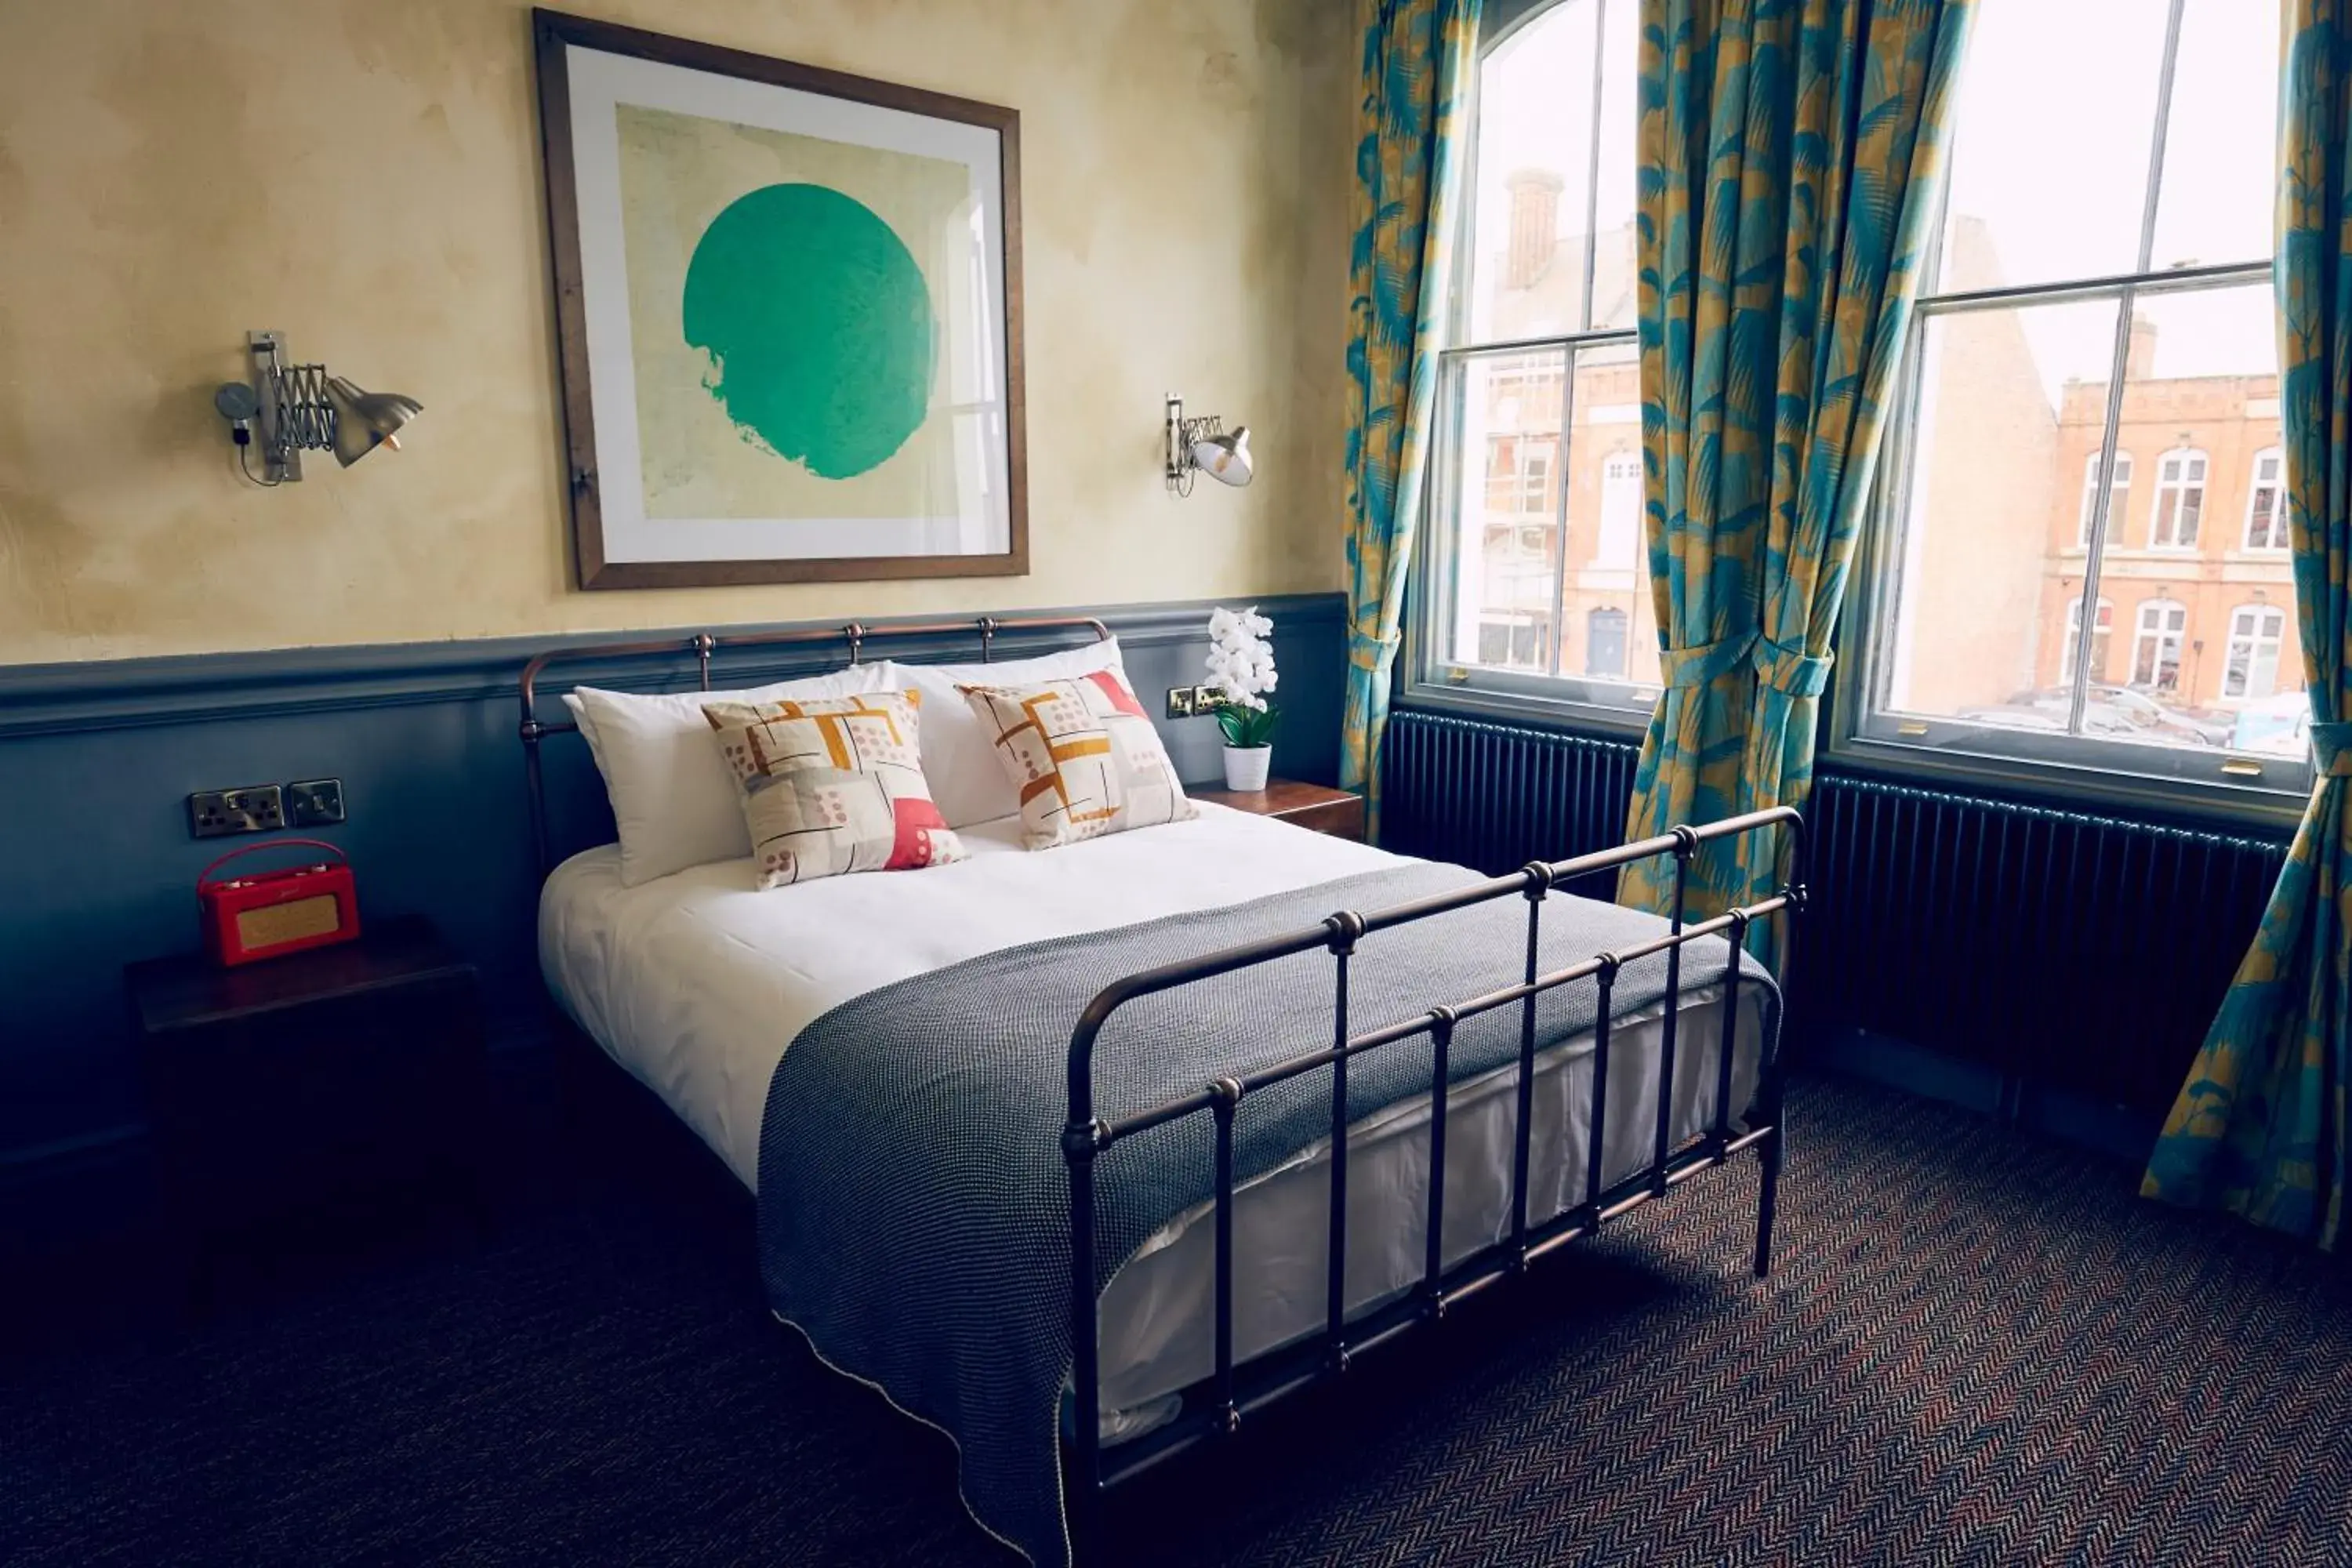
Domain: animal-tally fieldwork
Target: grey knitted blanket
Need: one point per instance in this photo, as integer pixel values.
(913, 1209)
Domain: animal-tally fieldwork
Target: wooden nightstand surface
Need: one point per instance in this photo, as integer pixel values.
(1337, 812)
(190, 991)
(311, 1096)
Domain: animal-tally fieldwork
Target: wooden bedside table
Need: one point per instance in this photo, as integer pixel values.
(1337, 812)
(324, 1081)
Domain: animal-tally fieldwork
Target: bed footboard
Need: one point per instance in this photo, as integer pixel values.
(1236, 1392)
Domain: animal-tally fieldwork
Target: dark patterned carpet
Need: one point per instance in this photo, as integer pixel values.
(1976, 1349)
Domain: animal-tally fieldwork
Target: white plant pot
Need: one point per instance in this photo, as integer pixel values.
(1246, 767)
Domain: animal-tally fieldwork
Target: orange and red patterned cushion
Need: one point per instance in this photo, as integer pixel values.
(1083, 756)
(834, 785)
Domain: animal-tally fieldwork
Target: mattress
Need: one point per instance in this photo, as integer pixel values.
(696, 985)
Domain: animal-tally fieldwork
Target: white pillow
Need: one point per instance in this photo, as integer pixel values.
(673, 798)
(968, 784)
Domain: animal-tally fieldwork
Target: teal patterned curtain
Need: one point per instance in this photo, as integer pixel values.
(2258, 1128)
(1417, 59)
(1790, 159)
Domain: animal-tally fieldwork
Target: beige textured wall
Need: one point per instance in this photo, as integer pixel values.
(365, 176)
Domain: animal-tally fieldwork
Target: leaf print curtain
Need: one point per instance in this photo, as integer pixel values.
(1416, 65)
(1790, 162)
(2258, 1128)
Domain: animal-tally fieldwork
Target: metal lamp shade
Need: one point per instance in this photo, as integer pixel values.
(366, 420)
(1225, 459)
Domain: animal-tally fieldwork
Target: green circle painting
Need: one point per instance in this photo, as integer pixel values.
(818, 326)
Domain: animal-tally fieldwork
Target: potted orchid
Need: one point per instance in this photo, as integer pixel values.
(1241, 671)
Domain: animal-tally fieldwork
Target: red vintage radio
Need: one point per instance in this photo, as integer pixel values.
(271, 912)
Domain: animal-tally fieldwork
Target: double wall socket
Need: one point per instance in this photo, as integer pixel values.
(1189, 702)
(254, 808)
(265, 808)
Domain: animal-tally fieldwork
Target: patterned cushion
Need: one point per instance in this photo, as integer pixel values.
(1083, 755)
(834, 785)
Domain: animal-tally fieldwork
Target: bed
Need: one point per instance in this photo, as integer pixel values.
(1220, 1289)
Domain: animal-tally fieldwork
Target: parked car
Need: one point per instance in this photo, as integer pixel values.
(2112, 713)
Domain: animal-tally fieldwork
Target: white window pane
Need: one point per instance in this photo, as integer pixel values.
(2220, 151)
(2061, 555)
(2055, 120)
(1616, 294)
(2201, 404)
(1608, 623)
(1507, 416)
(1533, 186)
(2201, 391)
(2010, 409)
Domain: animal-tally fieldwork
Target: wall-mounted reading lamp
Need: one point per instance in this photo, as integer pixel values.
(296, 408)
(1201, 447)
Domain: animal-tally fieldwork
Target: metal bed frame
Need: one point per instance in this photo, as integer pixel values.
(1218, 1407)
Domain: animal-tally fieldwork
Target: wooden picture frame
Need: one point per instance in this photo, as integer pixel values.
(721, 415)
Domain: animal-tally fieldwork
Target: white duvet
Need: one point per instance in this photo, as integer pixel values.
(697, 984)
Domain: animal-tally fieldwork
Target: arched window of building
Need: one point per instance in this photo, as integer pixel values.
(2266, 502)
(2162, 628)
(2256, 632)
(1605, 642)
(2179, 499)
(2119, 496)
(2102, 631)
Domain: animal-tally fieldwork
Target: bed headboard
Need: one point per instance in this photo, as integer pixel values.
(701, 645)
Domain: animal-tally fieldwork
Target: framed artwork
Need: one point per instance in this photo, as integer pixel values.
(788, 307)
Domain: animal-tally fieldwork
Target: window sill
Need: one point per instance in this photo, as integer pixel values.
(2266, 811)
(1616, 721)
(2270, 810)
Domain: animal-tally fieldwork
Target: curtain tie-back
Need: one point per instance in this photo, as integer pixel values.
(1366, 650)
(1783, 668)
(1708, 661)
(2333, 745)
(1791, 669)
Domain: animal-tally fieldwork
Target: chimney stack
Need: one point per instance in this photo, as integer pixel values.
(1535, 225)
(2139, 358)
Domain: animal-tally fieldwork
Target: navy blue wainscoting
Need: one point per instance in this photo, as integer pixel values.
(97, 867)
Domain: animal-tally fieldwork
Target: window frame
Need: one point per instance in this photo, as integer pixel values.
(2102, 640)
(2158, 621)
(2259, 613)
(2276, 486)
(1858, 732)
(1430, 676)
(2183, 491)
(2119, 479)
